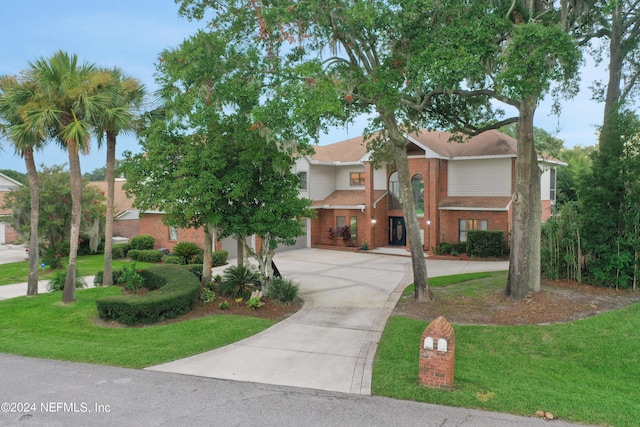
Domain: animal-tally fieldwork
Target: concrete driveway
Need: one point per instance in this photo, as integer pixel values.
(331, 342)
(13, 253)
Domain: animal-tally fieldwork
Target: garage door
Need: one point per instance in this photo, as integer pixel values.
(230, 245)
(301, 241)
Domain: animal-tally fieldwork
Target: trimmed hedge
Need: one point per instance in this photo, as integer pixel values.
(485, 243)
(219, 258)
(120, 250)
(142, 242)
(445, 248)
(147, 255)
(174, 291)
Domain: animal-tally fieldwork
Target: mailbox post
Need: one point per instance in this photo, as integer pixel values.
(437, 354)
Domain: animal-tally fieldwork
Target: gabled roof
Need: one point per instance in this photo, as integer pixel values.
(488, 144)
(121, 201)
(7, 183)
(348, 151)
(346, 199)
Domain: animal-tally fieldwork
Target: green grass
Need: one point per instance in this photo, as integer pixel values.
(43, 327)
(442, 281)
(585, 371)
(87, 265)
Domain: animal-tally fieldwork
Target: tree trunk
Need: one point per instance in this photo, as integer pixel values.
(69, 292)
(107, 279)
(419, 263)
(524, 262)
(240, 243)
(34, 190)
(207, 259)
(616, 59)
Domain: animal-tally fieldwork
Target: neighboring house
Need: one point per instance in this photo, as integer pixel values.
(126, 218)
(457, 187)
(7, 233)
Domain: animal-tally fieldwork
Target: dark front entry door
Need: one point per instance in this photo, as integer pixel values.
(397, 231)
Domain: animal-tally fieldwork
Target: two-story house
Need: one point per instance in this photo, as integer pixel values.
(457, 187)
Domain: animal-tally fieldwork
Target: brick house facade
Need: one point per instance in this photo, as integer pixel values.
(457, 187)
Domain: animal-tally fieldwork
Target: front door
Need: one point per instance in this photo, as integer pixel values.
(397, 231)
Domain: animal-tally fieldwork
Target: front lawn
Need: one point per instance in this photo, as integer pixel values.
(43, 327)
(86, 265)
(584, 371)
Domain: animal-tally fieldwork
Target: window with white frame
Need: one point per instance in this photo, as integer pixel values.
(552, 184)
(302, 177)
(173, 233)
(467, 225)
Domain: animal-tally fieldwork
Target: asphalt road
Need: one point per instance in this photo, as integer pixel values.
(39, 392)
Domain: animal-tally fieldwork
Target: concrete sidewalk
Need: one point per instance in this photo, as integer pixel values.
(331, 342)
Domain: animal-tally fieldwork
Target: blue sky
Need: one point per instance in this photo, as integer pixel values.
(130, 34)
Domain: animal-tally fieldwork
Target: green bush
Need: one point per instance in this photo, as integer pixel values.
(283, 290)
(445, 248)
(239, 281)
(207, 295)
(52, 257)
(485, 243)
(188, 251)
(142, 242)
(56, 284)
(175, 292)
(147, 255)
(195, 269)
(116, 275)
(219, 258)
(120, 250)
(172, 259)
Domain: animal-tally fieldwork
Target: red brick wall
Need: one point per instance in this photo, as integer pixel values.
(151, 224)
(327, 218)
(10, 235)
(546, 210)
(436, 368)
(449, 223)
(126, 228)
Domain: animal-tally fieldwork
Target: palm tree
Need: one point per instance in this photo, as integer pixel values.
(13, 96)
(126, 94)
(67, 97)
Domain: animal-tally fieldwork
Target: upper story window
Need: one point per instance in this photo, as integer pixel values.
(302, 177)
(356, 178)
(552, 184)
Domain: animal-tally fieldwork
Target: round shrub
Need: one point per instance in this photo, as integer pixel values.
(283, 290)
(219, 258)
(142, 242)
(120, 250)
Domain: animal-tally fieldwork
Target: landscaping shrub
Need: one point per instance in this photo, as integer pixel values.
(188, 251)
(239, 281)
(283, 290)
(147, 255)
(120, 250)
(116, 274)
(59, 278)
(485, 243)
(52, 257)
(195, 269)
(173, 259)
(451, 248)
(219, 258)
(175, 293)
(142, 242)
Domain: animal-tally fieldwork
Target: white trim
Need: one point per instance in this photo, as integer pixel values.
(339, 207)
(447, 208)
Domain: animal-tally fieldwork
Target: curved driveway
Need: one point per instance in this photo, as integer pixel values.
(331, 342)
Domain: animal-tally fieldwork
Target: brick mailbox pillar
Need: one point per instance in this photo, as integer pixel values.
(437, 354)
